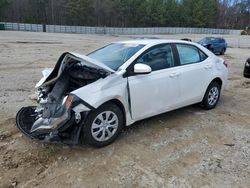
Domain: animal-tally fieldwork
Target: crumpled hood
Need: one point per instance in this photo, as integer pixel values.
(92, 62)
(50, 75)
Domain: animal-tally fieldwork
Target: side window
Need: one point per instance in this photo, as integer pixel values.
(189, 54)
(222, 41)
(203, 56)
(216, 40)
(159, 57)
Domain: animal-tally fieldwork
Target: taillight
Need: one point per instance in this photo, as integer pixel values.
(225, 63)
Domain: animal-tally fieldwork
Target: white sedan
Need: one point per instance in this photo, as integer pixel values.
(92, 97)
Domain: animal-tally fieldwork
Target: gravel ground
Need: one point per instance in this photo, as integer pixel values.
(189, 147)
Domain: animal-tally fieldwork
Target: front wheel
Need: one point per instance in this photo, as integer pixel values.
(103, 125)
(212, 96)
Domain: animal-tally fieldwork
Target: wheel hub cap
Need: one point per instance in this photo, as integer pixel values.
(104, 126)
(213, 96)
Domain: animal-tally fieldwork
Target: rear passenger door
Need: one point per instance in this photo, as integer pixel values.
(194, 73)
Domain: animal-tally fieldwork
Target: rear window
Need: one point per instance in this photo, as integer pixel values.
(222, 40)
(203, 56)
(207, 40)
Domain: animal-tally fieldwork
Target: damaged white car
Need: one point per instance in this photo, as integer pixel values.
(92, 97)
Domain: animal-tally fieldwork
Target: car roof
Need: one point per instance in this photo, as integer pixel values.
(214, 38)
(153, 41)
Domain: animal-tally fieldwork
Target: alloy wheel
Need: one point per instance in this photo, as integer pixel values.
(104, 126)
(213, 96)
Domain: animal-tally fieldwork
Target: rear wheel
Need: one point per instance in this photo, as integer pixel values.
(209, 47)
(103, 125)
(212, 96)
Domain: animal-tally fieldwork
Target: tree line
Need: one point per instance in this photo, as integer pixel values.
(231, 14)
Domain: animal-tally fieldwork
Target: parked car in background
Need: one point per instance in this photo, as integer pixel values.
(119, 84)
(214, 44)
(246, 72)
(187, 39)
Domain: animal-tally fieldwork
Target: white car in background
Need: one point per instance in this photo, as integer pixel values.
(94, 96)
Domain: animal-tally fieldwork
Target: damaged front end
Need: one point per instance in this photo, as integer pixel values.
(60, 115)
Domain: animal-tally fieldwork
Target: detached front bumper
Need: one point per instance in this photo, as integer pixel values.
(66, 131)
(25, 118)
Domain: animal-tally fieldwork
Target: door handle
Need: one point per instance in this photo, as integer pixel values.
(177, 74)
(172, 75)
(208, 66)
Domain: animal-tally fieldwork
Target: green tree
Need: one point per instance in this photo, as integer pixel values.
(129, 13)
(198, 13)
(3, 4)
(154, 13)
(203, 13)
(79, 12)
(172, 13)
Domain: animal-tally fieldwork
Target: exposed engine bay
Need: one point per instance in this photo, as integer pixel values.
(54, 119)
(74, 76)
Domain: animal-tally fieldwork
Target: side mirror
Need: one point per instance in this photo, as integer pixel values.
(140, 68)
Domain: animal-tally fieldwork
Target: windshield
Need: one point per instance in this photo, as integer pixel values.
(115, 55)
(206, 40)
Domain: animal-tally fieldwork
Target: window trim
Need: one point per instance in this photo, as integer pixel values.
(130, 68)
(200, 51)
(193, 46)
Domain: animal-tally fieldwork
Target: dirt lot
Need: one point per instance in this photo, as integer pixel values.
(189, 147)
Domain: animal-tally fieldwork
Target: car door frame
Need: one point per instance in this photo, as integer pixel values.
(129, 69)
(178, 63)
(205, 65)
(129, 72)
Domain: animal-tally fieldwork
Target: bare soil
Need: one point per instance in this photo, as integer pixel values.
(189, 147)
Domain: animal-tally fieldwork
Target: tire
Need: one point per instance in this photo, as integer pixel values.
(222, 51)
(211, 96)
(100, 132)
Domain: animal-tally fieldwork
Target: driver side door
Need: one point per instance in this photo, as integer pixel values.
(158, 91)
